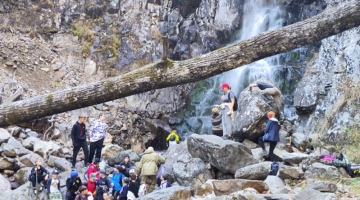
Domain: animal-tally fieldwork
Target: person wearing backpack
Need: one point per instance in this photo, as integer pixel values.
(78, 136)
(271, 135)
(116, 181)
(103, 185)
(38, 174)
(73, 184)
(173, 138)
(124, 191)
(93, 169)
(228, 106)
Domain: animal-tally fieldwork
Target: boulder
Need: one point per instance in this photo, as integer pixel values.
(254, 172)
(7, 163)
(24, 192)
(314, 194)
(274, 183)
(217, 152)
(229, 186)
(15, 131)
(299, 140)
(4, 184)
(182, 168)
(134, 157)
(320, 171)
(29, 142)
(284, 190)
(21, 176)
(4, 135)
(8, 150)
(44, 148)
(62, 164)
(175, 192)
(249, 144)
(14, 143)
(248, 193)
(295, 158)
(323, 186)
(22, 152)
(29, 159)
(32, 134)
(204, 190)
(56, 134)
(278, 196)
(110, 151)
(287, 172)
(250, 119)
(108, 140)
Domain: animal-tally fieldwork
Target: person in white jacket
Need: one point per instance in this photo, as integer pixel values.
(97, 135)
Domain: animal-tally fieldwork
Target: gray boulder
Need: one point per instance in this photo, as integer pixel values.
(323, 186)
(287, 172)
(134, 157)
(44, 148)
(278, 196)
(225, 155)
(4, 184)
(29, 142)
(7, 163)
(320, 171)
(314, 194)
(24, 192)
(299, 140)
(274, 183)
(229, 186)
(249, 144)
(62, 164)
(29, 159)
(248, 193)
(22, 152)
(182, 168)
(250, 119)
(175, 192)
(4, 135)
(254, 172)
(13, 142)
(295, 158)
(15, 131)
(8, 150)
(110, 151)
(22, 175)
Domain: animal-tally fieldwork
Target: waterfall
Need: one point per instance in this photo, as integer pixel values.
(259, 16)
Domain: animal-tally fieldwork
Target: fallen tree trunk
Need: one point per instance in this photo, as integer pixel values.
(170, 73)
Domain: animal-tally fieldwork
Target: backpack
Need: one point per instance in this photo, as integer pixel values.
(172, 138)
(274, 168)
(235, 103)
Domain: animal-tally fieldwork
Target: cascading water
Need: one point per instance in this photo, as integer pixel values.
(259, 16)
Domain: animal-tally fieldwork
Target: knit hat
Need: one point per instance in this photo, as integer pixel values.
(96, 160)
(74, 174)
(118, 167)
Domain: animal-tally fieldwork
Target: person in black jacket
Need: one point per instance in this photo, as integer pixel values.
(126, 165)
(134, 184)
(78, 137)
(271, 135)
(73, 184)
(38, 173)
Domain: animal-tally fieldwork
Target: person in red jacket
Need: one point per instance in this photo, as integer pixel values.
(94, 168)
(91, 184)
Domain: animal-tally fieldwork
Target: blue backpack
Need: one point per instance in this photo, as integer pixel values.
(274, 168)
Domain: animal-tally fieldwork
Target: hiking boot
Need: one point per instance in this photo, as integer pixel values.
(226, 137)
(264, 152)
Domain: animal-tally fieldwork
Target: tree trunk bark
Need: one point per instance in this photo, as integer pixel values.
(170, 73)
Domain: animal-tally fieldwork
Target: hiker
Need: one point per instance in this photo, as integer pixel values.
(73, 184)
(173, 138)
(53, 187)
(271, 90)
(97, 134)
(103, 185)
(216, 117)
(91, 184)
(164, 182)
(124, 191)
(94, 168)
(125, 165)
(271, 135)
(134, 186)
(228, 102)
(149, 166)
(144, 188)
(116, 181)
(78, 137)
(38, 175)
(84, 194)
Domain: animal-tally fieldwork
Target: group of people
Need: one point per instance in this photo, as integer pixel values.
(222, 115)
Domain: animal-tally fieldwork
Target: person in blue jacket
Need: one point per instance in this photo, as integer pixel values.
(53, 187)
(271, 135)
(116, 180)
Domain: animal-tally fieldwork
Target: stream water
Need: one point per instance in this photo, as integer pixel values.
(259, 16)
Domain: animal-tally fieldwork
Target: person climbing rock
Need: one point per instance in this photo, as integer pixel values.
(97, 134)
(78, 137)
(38, 175)
(93, 169)
(125, 165)
(173, 138)
(53, 187)
(216, 119)
(72, 185)
(273, 91)
(149, 166)
(271, 135)
(228, 102)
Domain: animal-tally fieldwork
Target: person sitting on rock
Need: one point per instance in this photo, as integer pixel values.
(97, 134)
(116, 181)
(164, 182)
(216, 122)
(228, 101)
(149, 166)
(38, 175)
(134, 186)
(73, 184)
(91, 184)
(78, 137)
(271, 90)
(94, 168)
(144, 188)
(173, 138)
(124, 191)
(84, 194)
(103, 185)
(271, 135)
(126, 165)
(53, 187)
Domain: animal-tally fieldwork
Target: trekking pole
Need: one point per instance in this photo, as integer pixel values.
(36, 184)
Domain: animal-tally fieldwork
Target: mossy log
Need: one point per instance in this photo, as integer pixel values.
(170, 73)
